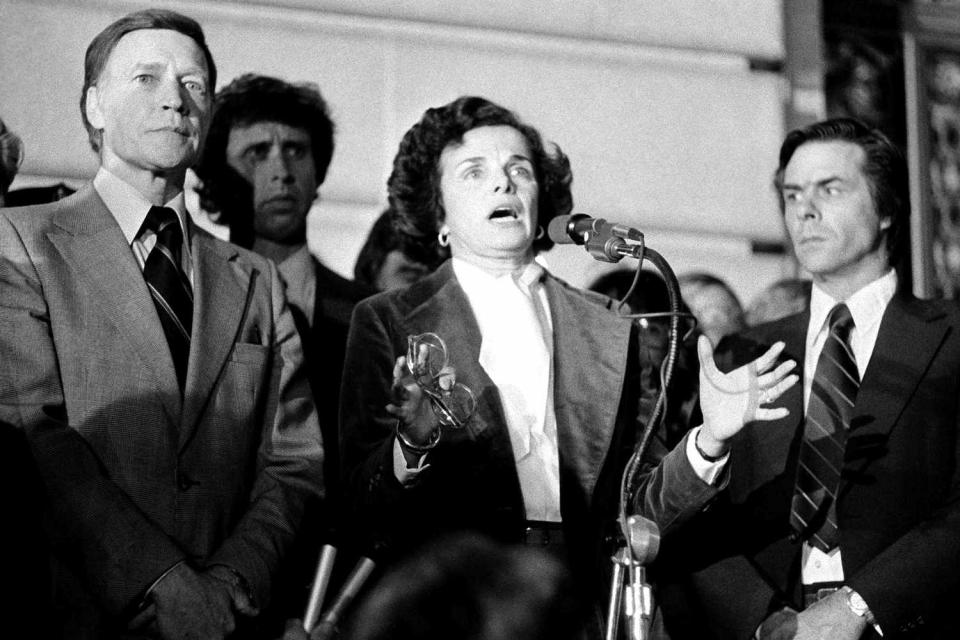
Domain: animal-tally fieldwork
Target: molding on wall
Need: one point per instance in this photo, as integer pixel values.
(706, 25)
(579, 48)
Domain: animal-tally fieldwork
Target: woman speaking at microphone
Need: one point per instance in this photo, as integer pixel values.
(489, 396)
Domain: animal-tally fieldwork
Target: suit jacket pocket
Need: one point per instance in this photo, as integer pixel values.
(254, 354)
(243, 384)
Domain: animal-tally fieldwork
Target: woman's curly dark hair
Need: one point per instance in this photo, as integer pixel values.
(414, 184)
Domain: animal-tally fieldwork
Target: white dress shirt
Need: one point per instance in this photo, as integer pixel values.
(516, 351)
(300, 281)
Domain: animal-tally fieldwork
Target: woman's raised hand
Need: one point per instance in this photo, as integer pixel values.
(730, 400)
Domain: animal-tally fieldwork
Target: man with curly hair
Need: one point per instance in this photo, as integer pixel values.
(267, 153)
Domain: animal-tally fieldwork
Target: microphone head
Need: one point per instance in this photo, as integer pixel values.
(557, 230)
(562, 229)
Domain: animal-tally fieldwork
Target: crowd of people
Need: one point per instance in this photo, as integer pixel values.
(187, 421)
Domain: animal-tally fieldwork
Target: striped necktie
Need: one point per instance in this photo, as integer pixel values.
(832, 397)
(171, 291)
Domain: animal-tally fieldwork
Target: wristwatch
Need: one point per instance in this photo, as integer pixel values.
(858, 605)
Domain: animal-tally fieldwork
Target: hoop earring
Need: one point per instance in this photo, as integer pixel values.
(443, 238)
(540, 232)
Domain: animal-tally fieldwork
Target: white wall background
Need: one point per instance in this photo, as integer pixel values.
(666, 126)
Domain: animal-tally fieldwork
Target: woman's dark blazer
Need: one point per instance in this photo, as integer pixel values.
(472, 482)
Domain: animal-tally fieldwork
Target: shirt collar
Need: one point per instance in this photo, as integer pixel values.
(472, 277)
(531, 274)
(298, 263)
(866, 305)
(299, 279)
(129, 207)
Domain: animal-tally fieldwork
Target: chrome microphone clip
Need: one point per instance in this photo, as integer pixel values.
(633, 596)
(604, 241)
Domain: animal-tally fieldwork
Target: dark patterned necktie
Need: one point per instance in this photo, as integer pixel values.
(835, 384)
(171, 291)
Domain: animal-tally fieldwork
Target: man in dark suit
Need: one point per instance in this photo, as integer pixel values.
(838, 516)
(267, 153)
(155, 371)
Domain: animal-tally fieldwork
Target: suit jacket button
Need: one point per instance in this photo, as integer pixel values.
(184, 483)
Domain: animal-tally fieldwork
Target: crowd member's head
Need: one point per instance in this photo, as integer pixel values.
(11, 155)
(27, 196)
(470, 588)
(119, 108)
(782, 298)
(844, 195)
(387, 259)
(650, 294)
(267, 152)
(472, 175)
(713, 303)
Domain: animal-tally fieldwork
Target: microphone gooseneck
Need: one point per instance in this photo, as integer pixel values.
(640, 537)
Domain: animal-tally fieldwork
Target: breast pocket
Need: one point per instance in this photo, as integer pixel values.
(243, 385)
(250, 354)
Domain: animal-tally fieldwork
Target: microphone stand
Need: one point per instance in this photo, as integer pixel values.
(629, 592)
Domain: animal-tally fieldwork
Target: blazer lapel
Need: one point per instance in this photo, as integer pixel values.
(446, 311)
(892, 376)
(93, 244)
(591, 346)
(448, 314)
(221, 287)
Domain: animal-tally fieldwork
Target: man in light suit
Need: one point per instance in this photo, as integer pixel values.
(176, 465)
(873, 547)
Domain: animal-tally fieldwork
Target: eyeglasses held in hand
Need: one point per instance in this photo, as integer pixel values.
(427, 361)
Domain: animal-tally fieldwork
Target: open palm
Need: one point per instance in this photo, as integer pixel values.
(730, 400)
